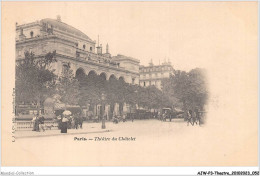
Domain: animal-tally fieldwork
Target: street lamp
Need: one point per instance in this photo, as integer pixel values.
(102, 111)
(136, 92)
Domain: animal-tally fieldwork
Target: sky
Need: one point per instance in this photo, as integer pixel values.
(188, 34)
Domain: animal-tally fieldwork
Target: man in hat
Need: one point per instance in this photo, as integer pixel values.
(41, 123)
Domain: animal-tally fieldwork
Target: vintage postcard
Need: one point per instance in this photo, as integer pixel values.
(129, 84)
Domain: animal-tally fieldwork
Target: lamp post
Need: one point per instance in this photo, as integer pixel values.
(102, 111)
(137, 97)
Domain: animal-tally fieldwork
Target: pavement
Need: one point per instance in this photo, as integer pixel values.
(87, 128)
(136, 128)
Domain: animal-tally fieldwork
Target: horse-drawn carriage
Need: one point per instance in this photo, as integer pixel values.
(139, 114)
(168, 113)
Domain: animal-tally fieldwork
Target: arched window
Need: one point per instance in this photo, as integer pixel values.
(133, 80)
(65, 68)
(84, 46)
(31, 33)
(90, 48)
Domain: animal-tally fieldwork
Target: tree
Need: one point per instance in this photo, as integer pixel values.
(189, 88)
(34, 78)
(68, 88)
(199, 89)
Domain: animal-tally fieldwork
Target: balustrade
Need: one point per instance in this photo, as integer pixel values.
(28, 125)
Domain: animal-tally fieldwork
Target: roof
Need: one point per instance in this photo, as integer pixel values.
(121, 57)
(65, 27)
(153, 66)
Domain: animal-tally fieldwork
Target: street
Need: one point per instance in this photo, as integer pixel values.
(141, 139)
(138, 128)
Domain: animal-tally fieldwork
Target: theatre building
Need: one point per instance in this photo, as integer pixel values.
(73, 48)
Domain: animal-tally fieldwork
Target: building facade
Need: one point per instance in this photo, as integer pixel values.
(154, 74)
(75, 48)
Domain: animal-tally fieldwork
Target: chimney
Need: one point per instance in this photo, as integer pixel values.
(58, 18)
(21, 36)
(151, 63)
(99, 49)
(107, 49)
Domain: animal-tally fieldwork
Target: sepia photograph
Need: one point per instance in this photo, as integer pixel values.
(129, 84)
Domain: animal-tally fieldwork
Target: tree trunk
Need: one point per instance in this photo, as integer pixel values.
(121, 108)
(112, 107)
(38, 104)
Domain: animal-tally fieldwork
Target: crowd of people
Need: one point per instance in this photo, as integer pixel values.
(193, 117)
(70, 122)
(75, 121)
(38, 123)
(64, 122)
(116, 119)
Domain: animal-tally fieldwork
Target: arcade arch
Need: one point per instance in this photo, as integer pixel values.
(80, 73)
(121, 78)
(112, 76)
(103, 75)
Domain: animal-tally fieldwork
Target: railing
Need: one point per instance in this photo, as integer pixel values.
(28, 125)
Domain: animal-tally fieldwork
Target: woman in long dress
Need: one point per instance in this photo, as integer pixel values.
(34, 123)
(64, 124)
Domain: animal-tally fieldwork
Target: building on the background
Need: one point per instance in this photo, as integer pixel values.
(154, 74)
(74, 49)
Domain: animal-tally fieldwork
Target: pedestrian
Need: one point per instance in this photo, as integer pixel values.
(80, 121)
(41, 123)
(115, 119)
(37, 128)
(73, 124)
(59, 121)
(189, 119)
(132, 117)
(34, 122)
(159, 115)
(124, 118)
(64, 124)
(198, 118)
(164, 117)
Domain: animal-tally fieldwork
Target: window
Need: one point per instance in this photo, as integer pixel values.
(90, 48)
(133, 80)
(65, 68)
(77, 44)
(144, 83)
(77, 54)
(84, 46)
(19, 52)
(31, 33)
